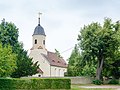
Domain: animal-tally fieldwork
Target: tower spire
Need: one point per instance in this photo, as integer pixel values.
(39, 18)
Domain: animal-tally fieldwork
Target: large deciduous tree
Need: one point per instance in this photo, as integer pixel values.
(99, 43)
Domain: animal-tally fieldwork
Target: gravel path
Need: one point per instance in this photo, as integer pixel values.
(103, 86)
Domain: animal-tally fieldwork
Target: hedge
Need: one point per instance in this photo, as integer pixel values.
(97, 82)
(34, 83)
(113, 81)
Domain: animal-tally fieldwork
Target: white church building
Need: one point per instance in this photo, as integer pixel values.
(50, 64)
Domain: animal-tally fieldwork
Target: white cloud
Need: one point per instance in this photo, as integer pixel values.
(61, 19)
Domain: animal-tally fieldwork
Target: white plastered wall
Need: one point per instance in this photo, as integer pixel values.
(40, 39)
(57, 71)
(44, 64)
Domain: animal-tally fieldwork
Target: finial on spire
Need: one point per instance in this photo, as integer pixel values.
(39, 18)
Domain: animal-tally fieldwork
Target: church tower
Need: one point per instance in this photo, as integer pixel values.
(50, 65)
(39, 38)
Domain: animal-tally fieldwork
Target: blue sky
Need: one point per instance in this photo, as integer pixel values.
(61, 19)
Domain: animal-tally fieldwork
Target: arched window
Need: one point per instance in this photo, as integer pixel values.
(55, 72)
(59, 72)
(35, 41)
(44, 42)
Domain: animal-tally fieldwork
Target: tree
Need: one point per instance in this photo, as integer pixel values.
(7, 61)
(58, 53)
(73, 60)
(99, 43)
(9, 36)
(76, 67)
(112, 67)
(25, 66)
(8, 33)
(115, 71)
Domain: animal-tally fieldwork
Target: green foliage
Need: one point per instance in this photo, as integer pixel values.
(115, 70)
(99, 43)
(113, 81)
(88, 70)
(73, 61)
(76, 67)
(58, 53)
(7, 61)
(25, 66)
(97, 82)
(9, 36)
(8, 33)
(35, 84)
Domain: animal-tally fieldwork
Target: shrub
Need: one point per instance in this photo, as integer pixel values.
(113, 81)
(97, 82)
(35, 83)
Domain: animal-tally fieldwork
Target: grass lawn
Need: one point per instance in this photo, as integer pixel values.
(75, 87)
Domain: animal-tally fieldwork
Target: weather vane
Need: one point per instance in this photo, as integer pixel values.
(39, 14)
(39, 18)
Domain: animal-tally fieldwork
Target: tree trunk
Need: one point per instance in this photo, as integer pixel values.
(99, 66)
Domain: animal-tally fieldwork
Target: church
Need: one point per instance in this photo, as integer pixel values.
(51, 65)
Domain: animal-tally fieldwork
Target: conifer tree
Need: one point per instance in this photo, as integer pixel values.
(9, 36)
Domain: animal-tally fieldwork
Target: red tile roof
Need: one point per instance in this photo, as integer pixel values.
(54, 60)
(39, 70)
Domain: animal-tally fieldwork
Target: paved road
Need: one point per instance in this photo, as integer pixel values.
(102, 86)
